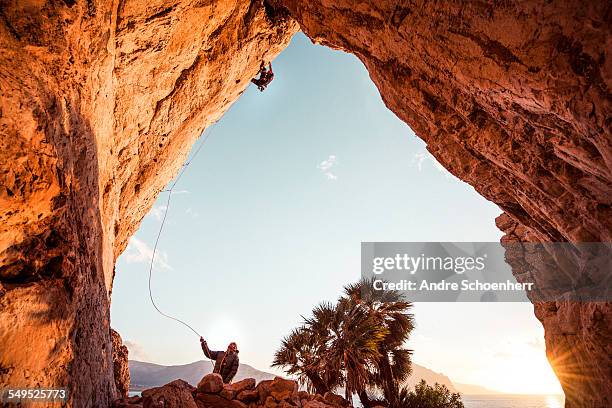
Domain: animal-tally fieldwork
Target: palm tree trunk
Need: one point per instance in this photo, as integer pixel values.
(348, 392)
(318, 383)
(348, 395)
(365, 399)
(390, 386)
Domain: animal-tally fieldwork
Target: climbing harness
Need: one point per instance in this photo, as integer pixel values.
(161, 228)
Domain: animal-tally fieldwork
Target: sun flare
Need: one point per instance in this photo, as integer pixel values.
(524, 370)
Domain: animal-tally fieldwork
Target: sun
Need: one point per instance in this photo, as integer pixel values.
(223, 330)
(524, 370)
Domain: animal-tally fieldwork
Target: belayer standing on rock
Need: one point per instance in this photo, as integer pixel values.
(265, 76)
(226, 362)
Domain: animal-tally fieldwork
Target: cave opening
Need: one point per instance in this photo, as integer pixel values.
(273, 212)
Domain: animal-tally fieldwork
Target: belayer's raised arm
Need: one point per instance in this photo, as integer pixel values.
(207, 352)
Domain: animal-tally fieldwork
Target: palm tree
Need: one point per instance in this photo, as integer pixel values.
(337, 346)
(357, 342)
(351, 339)
(387, 309)
(299, 354)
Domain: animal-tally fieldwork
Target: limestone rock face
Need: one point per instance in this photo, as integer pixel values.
(577, 335)
(121, 371)
(514, 99)
(101, 100)
(100, 103)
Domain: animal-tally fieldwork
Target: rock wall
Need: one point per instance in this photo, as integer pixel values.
(100, 103)
(513, 98)
(101, 100)
(121, 369)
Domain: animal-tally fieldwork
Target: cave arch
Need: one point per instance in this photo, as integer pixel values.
(101, 101)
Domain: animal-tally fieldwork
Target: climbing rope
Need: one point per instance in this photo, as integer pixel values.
(161, 228)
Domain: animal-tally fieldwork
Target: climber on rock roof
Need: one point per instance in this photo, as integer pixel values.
(265, 76)
(226, 362)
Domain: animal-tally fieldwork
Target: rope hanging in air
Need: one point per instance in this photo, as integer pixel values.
(161, 228)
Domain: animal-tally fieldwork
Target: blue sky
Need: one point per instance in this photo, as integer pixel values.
(268, 221)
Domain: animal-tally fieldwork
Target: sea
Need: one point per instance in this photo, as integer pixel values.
(512, 401)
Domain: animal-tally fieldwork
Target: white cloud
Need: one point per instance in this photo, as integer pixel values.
(326, 167)
(136, 351)
(423, 156)
(157, 212)
(138, 251)
(193, 213)
(418, 159)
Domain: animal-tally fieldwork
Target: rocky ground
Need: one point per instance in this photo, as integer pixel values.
(212, 393)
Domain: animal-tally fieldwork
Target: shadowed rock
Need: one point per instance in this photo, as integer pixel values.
(121, 371)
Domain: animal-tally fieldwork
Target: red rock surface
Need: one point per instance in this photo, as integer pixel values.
(177, 394)
(101, 100)
(277, 393)
(211, 384)
(121, 370)
(514, 99)
(100, 103)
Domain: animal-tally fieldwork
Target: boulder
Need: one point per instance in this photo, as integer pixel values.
(136, 399)
(246, 384)
(211, 384)
(176, 394)
(316, 404)
(127, 402)
(240, 404)
(282, 389)
(131, 402)
(204, 400)
(335, 399)
(248, 396)
(230, 391)
(263, 389)
(305, 395)
(270, 402)
(228, 394)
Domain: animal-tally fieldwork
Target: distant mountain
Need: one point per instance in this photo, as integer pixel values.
(147, 375)
(419, 372)
(471, 389)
